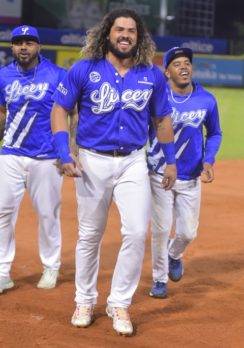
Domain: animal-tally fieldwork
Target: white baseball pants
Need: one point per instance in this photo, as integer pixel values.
(126, 181)
(43, 182)
(180, 205)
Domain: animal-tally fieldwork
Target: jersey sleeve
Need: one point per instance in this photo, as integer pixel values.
(213, 134)
(69, 89)
(62, 74)
(2, 96)
(159, 104)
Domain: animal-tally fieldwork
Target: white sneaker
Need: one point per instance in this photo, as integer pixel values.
(48, 279)
(5, 284)
(83, 316)
(121, 320)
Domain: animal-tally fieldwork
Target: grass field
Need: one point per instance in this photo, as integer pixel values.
(230, 101)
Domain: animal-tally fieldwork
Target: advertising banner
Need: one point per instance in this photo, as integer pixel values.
(219, 72)
(76, 37)
(50, 36)
(198, 45)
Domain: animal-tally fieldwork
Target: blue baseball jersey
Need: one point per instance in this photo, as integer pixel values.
(27, 99)
(114, 111)
(191, 113)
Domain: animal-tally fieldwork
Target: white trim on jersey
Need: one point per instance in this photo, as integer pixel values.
(24, 132)
(8, 138)
(14, 125)
(181, 149)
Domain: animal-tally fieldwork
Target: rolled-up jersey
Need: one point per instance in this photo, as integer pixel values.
(191, 113)
(26, 95)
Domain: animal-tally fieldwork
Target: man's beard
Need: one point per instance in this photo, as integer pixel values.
(25, 62)
(119, 54)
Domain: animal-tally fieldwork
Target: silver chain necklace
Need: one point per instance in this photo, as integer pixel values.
(31, 79)
(183, 101)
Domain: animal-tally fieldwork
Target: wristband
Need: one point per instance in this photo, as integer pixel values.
(169, 152)
(209, 159)
(61, 143)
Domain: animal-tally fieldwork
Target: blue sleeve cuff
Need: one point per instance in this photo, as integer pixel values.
(209, 160)
(169, 152)
(61, 144)
(211, 148)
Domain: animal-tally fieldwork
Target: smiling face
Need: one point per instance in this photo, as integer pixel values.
(26, 52)
(179, 72)
(122, 39)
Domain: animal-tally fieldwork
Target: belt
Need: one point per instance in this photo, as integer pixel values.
(113, 153)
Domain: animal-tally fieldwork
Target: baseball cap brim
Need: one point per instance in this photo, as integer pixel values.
(25, 37)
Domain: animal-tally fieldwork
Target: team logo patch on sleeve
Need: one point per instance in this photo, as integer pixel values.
(62, 89)
(94, 76)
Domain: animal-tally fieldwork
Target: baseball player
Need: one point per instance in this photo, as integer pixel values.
(27, 156)
(194, 108)
(116, 88)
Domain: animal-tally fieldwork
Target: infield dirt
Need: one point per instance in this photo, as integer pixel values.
(205, 309)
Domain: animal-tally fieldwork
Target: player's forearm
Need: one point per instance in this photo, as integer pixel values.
(59, 124)
(73, 121)
(164, 129)
(2, 121)
(165, 135)
(59, 121)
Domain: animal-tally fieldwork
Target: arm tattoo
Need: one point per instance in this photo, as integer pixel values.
(73, 121)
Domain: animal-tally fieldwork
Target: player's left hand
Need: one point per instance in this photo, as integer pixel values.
(170, 174)
(207, 175)
(73, 169)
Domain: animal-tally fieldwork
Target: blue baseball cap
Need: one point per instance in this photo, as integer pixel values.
(25, 32)
(175, 52)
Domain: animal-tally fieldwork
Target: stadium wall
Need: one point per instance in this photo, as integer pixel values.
(213, 70)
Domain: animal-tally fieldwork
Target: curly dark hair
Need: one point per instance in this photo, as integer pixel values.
(96, 45)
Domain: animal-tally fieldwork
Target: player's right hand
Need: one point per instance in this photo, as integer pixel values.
(207, 174)
(170, 174)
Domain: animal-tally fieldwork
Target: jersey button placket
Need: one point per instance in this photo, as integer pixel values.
(119, 82)
(117, 77)
(122, 129)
